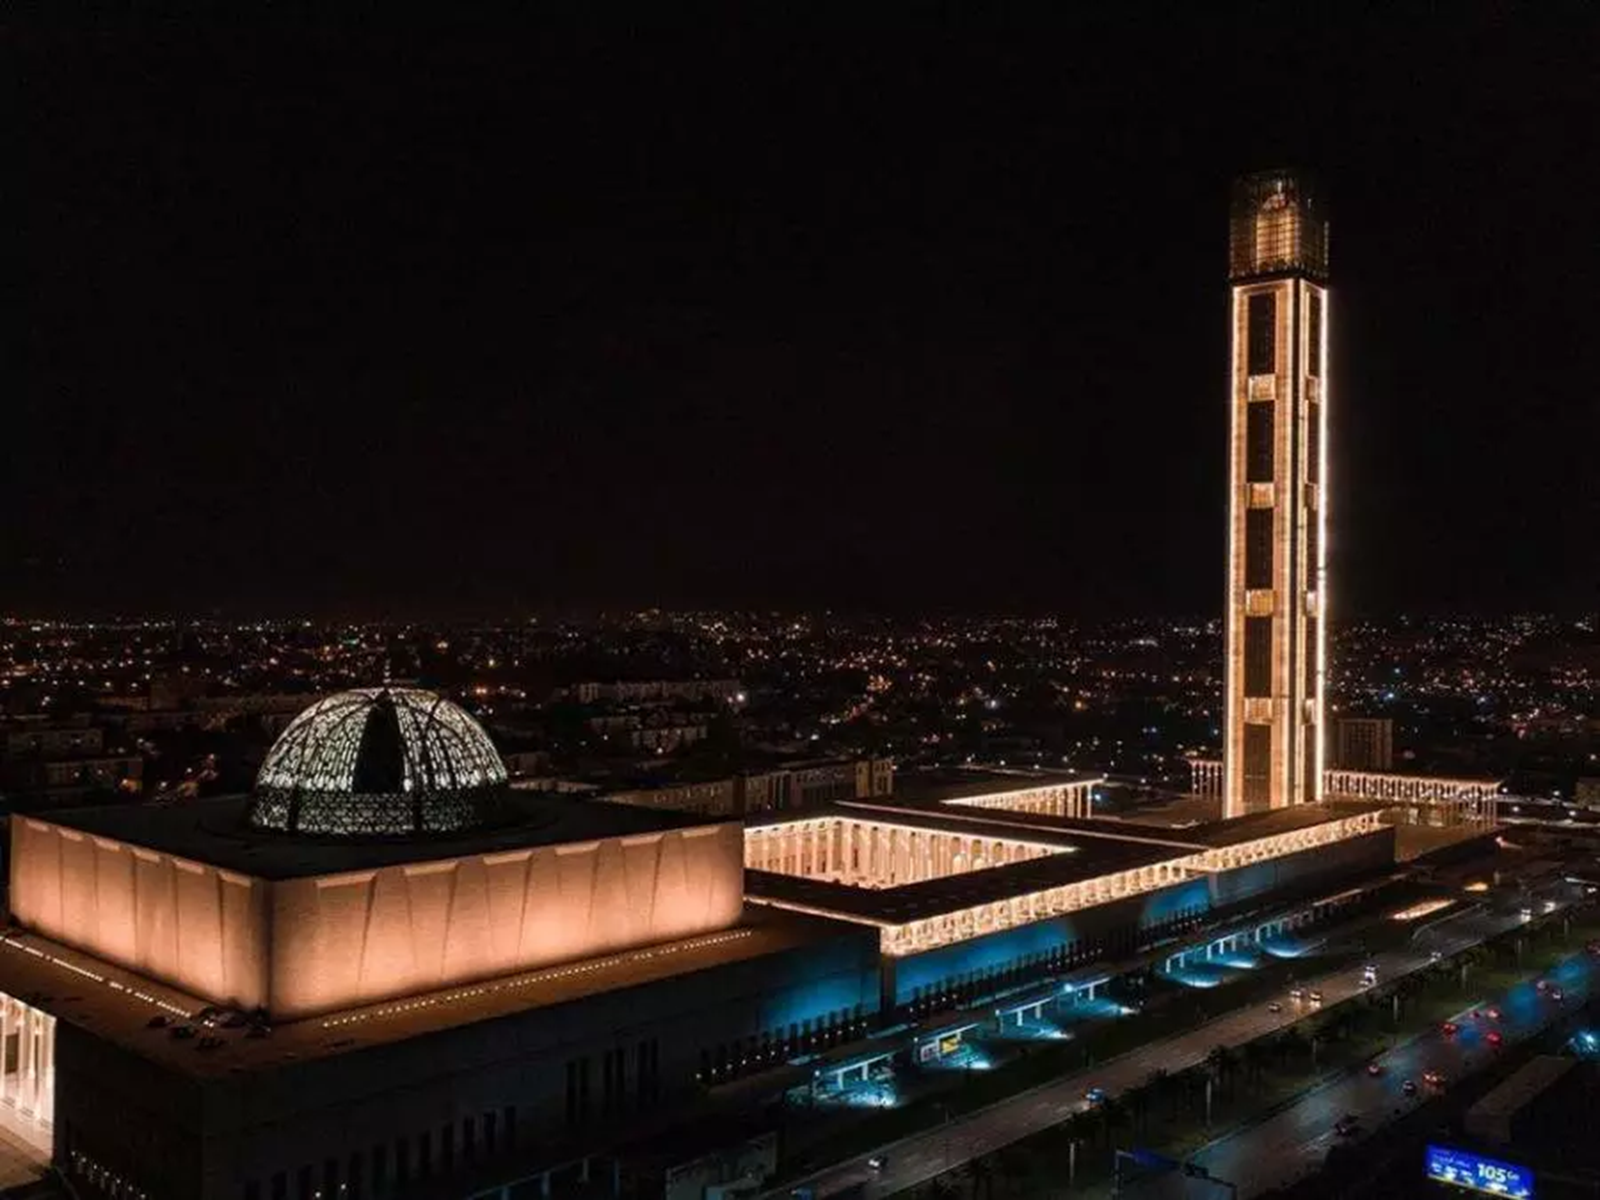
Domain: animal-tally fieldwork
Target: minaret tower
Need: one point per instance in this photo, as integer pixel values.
(1277, 495)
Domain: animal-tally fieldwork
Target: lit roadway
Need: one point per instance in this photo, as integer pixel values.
(915, 1159)
(1295, 1142)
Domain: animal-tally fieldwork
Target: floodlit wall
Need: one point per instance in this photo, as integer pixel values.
(305, 946)
(1121, 926)
(198, 928)
(342, 940)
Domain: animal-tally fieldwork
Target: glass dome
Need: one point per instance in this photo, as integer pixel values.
(378, 762)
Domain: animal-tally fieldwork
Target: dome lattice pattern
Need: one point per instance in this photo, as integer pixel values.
(377, 762)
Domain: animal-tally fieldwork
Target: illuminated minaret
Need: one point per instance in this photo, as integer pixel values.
(1277, 497)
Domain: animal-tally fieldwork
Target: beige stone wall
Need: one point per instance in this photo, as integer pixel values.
(306, 946)
(185, 923)
(353, 939)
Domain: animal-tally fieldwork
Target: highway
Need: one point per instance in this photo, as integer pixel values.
(1294, 1142)
(916, 1159)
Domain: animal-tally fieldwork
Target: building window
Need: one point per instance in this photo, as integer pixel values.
(1257, 773)
(1262, 322)
(1258, 548)
(1314, 443)
(1311, 659)
(1258, 447)
(1258, 656)
(1314, 335)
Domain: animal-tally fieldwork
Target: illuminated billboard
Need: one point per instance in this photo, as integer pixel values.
(1465, 1169)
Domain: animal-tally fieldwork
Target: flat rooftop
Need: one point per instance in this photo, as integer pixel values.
(1202, 836)
(1270, 824)
(950, 893)
(117, 1005)
(214, 832)
(1089, 849)
(941, 785)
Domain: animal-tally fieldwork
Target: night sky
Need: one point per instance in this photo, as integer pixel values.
(924, 314)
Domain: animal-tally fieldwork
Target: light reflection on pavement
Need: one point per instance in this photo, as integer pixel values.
(922, 1156)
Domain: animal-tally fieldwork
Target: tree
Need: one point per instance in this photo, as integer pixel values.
(1255, 1060)
(1139, 1103)
(1294, 1043)
(1096, 1124)
(1223, 1063)
(1117, 1118)
(1160, 1085)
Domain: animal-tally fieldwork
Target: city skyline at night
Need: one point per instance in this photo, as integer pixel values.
(771, 606)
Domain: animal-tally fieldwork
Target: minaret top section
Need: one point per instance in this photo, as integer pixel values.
(1277, 226)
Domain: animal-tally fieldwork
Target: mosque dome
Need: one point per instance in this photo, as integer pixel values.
(379, 762)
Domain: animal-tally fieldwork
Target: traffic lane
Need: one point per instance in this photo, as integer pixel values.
(926, 1155)
(922, 1156)
(1296, 1141)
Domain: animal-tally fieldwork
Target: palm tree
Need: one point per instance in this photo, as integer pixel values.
(1255, 1060)
(1099, 1126)
(1138, 1102)
(1160, 1084)
(1293, 1043)
(1223, 1062)
(1116, 1118)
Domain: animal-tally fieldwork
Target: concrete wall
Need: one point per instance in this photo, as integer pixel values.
(344, 940)
(198, 928)
(306, 946)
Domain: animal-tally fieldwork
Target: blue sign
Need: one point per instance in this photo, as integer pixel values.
(1465, 1169)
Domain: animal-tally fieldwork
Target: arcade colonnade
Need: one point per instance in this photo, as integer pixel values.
(1053, 800)
(1432, 799)
(867, 853)
(27, 1070)
(1453, 801)
(957, 925)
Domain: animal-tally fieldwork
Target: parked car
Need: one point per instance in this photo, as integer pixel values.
(1347, 1125)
